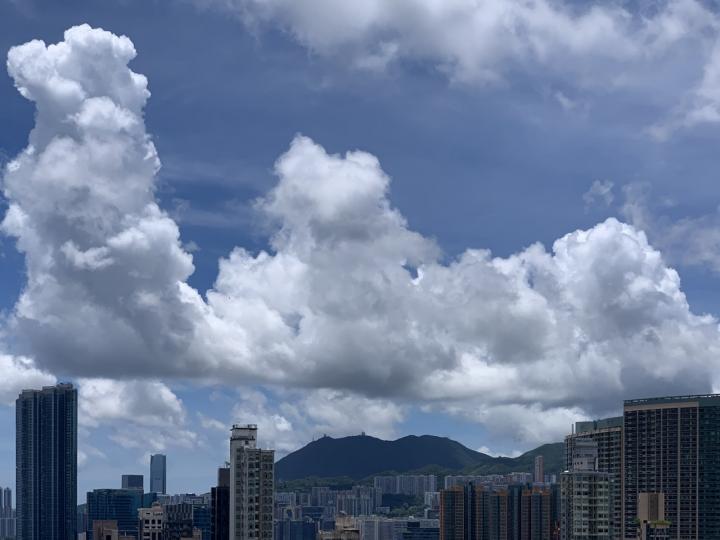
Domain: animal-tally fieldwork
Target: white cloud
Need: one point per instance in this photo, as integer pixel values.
(687, 241)
(489, 452)
(349, 306)
(597, 43)
(601, 191)
(19, 373)
(140, 414)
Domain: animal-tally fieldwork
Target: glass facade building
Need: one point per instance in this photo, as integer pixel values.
(158, 474)
(46, 463)
(120, 505)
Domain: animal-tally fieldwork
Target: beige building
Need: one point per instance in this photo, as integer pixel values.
(108, 530)
(651, 517)
(151, 522)
(252, 484)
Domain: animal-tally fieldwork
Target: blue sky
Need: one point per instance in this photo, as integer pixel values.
(489, 144)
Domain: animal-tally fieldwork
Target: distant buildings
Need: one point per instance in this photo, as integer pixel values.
(158, 473)
(518, 512)
(672, 447)
(539, 469)
(46, 463)
(252, 483)
(133, 481)
(586, 496)
(7, 515)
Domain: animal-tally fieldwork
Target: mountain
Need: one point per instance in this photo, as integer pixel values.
(360, 457)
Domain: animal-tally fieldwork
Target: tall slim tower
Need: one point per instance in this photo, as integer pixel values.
(539, 469)
(671, 447)
(252, 479)
(46, 463)
(158, 474)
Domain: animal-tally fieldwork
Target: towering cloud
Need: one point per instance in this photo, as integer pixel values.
(348, 303)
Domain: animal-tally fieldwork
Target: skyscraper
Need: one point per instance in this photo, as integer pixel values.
(46, 463)
(608, 434)
(158, 473)
(672, 447)
(539, 469)
(133, 481)
(252, 478)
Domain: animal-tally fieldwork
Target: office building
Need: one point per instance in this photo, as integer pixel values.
(586, 496)
(220, 506)
(46, 463)
(252, 478)
(133, 481)
(671, 447)
(539, 469)
(608, 434)
(158, 473)
(151, 522)
(118, 505)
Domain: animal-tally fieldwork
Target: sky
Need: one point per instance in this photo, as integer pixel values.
(481, 220)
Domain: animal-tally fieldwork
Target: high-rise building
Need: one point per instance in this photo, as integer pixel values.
(133, 481)
(158, 473)
(536, 519)
(473, 512)
(252, 478)
(220, 506)
(539, 469)
(672, 447)
(46, 463)
(586, 496)
(151, 522)
(608, 434)
(118, 505)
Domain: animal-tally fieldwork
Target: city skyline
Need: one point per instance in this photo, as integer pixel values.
(217, 212)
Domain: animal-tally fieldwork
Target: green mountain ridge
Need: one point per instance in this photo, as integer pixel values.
(360, 457)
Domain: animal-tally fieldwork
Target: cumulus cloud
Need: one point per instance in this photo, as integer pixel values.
(19, 373)
(348, 305)
(140, 414)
